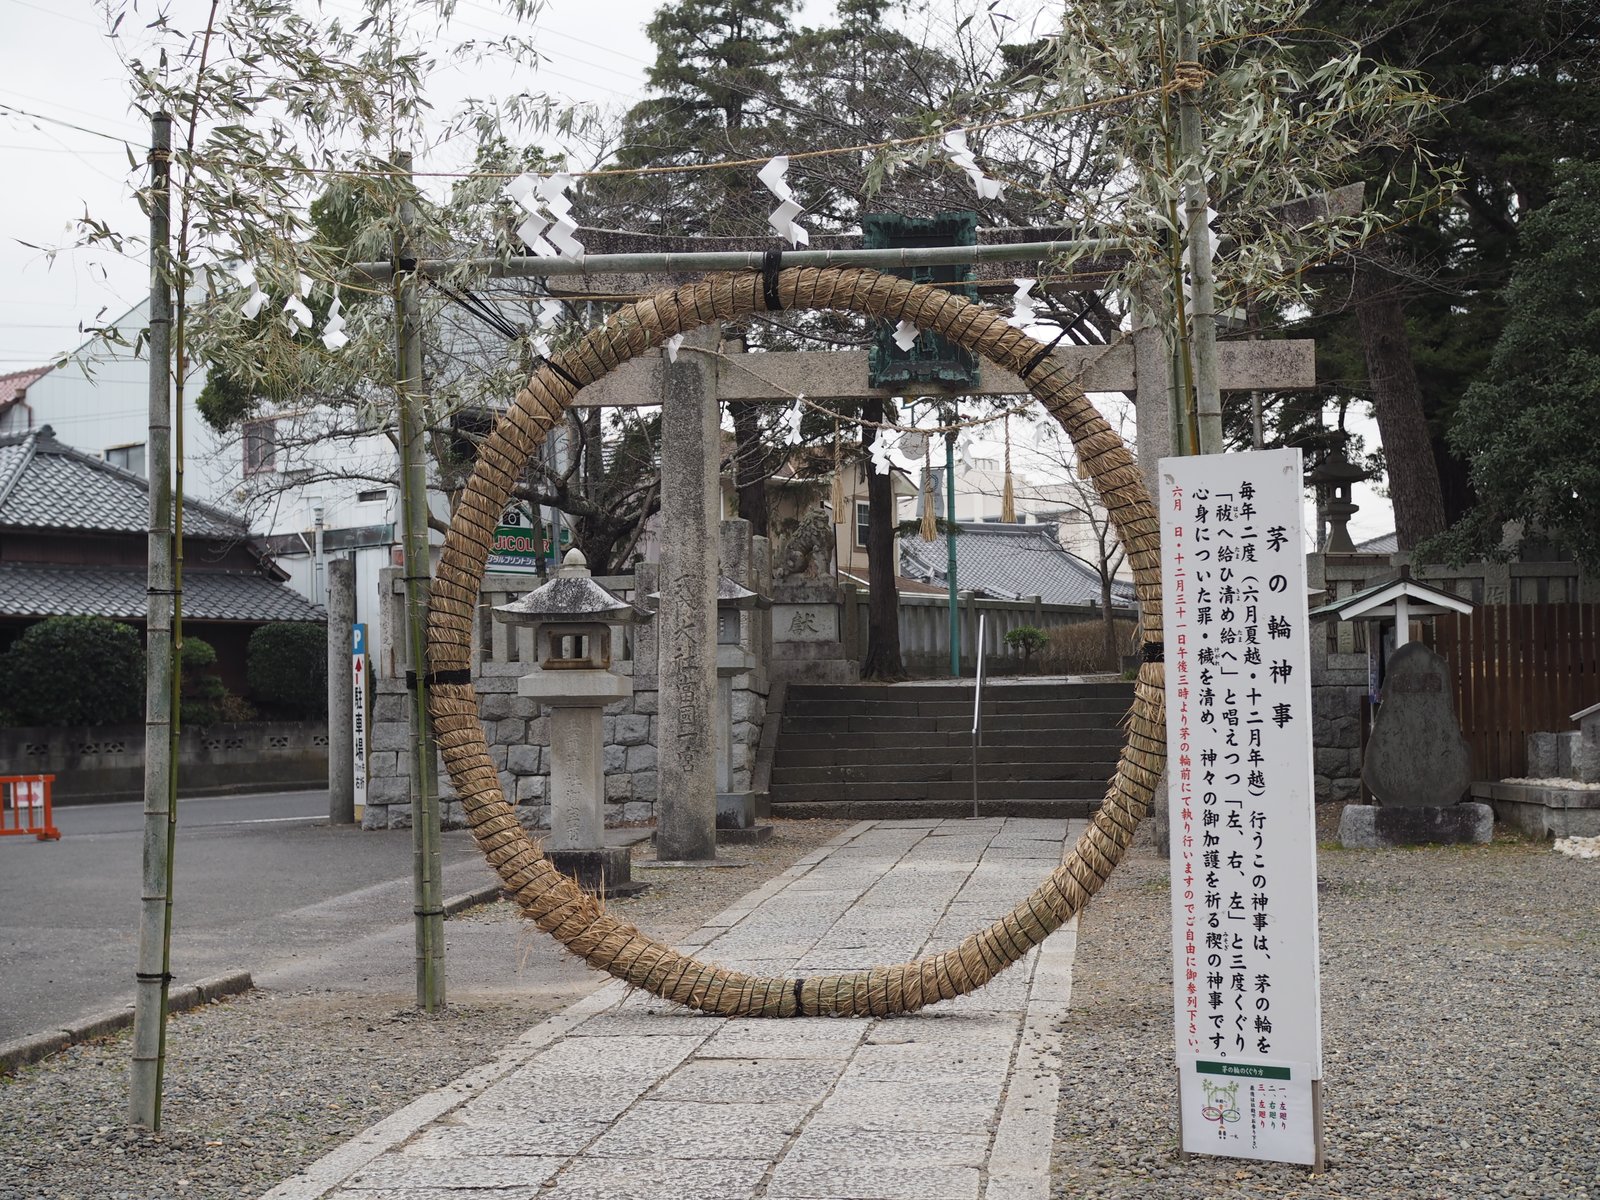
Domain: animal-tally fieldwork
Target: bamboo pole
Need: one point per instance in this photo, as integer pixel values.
(427, 904)
(1208, 394)
(734, 260)
(950, 548)
(151, 976)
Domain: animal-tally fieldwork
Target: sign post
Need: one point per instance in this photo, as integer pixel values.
(358, 714)
(1247, 992)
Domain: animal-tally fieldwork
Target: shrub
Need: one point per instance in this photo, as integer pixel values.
(1080, 649)
(203, 692)
(1026, 640)
(74, 671)
(286, 666)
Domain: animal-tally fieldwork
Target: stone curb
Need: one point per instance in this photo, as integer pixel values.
(22, 1051)
(487, 894)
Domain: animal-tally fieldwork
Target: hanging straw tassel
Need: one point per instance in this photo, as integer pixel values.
(930, 511)
(836, 498)
(1008, 499)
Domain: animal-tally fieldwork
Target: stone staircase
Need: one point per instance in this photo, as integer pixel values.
(874, 751)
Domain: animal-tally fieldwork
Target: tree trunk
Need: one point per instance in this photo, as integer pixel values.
(883, 607)
(1397, 401)
(749, 463)
(1108, 624)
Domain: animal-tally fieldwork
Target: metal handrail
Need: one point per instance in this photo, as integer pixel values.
(977, 712)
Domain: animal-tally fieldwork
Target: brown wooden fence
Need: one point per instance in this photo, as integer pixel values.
(1520, 669)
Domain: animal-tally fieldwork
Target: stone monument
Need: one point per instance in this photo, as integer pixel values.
(1417, 763)
(735, 810)
(572, 616)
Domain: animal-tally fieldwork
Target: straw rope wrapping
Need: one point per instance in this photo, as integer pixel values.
(577, 919)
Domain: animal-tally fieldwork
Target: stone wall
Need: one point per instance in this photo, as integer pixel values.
(517, 729)
(106, 762)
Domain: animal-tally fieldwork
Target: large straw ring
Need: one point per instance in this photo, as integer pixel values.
(577, 919)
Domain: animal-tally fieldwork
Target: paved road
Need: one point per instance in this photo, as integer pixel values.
(263, 883)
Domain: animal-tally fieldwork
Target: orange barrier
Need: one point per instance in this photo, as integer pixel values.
(25, 807)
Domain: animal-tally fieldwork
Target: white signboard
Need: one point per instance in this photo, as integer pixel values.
(1247, 994)
(358, 712)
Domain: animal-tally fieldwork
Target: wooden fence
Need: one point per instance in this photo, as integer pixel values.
(1519, 669)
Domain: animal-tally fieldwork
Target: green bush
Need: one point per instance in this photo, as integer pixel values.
(286, 666)
(1026, 640)
(74, 671)
(203, 693)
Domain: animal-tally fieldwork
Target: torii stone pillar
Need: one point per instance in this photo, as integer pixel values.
(686, 621)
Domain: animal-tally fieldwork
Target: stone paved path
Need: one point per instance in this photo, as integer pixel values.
(622, 1096)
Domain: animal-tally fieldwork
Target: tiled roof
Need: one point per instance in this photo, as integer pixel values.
(46, 485)
(14, 384)
(1384, 543)
(47, 590)
(1008, 561)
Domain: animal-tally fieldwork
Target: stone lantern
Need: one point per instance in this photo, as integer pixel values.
(572, 617)
(1338, 475)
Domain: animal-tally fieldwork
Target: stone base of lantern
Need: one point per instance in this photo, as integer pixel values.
(604, 873)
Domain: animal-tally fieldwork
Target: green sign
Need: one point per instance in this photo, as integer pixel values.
(932, 359)
(1242, 1070)
(520, 543)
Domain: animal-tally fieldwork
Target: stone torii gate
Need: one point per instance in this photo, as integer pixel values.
(691, 392)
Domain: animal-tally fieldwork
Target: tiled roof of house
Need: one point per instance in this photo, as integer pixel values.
(48, 590)
(47, 485)
(13, 385)
(1384, 543)
(1009, 561)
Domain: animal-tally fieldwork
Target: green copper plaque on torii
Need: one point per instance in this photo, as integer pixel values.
(932, 359)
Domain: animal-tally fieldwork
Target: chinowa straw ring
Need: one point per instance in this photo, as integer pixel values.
(577, 919)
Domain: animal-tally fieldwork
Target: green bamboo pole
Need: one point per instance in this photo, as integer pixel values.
(151, 972)
(427, 902)
(1207, 392)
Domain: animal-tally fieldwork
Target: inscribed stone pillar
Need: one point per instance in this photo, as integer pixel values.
(686, 621)
(341, 691)
(577, 778)
(1152, 399)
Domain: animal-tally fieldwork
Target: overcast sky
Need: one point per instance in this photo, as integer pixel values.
(56, 62)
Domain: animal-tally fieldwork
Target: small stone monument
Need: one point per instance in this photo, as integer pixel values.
(735, 810)
(1417, 763)
(572, 616)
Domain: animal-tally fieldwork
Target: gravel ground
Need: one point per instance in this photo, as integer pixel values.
(1461, 1033)
(262, 1085)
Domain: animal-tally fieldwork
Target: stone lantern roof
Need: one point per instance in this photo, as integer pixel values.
(571, 598)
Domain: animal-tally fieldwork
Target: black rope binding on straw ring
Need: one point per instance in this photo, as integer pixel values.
(771, 264)
(561, 371)
(457, 677)
(1154, 652)
(799, 1004)
(1044, 352)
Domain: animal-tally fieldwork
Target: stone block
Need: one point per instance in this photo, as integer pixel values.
(533, 816)
(497, 706)
(530, 788)
(375, 816)
(641, 758)
(389, 708)
(1369, 827)
(513, 731)
(638, 810)
(616, 759)
(608, 728)
(399, 816)
(646, 702)
(383, 762)
(539, 731)
(390, 789)
(1586, 753)
(391, 735)
(619, 787)
(497, 755)
(1345, 788)
(453, 816)
(632, 730)
(525, 760)
(644, 786)
(1542, 755)
(1334, 760)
